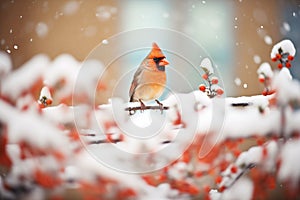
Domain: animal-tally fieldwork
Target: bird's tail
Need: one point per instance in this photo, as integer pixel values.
(131, 99)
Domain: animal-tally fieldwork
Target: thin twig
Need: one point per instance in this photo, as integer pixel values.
(246, 169)
(146, 108)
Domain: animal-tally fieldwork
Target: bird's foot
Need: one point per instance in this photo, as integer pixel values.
(143, 107)
(161, 106)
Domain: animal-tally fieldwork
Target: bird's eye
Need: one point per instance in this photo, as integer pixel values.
(156, 59)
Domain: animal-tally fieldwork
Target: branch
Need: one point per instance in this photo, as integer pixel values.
(147, 108)
(241, 173)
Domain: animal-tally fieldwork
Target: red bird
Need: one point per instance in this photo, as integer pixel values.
(150, 78)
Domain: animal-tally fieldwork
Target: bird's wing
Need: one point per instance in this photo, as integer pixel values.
(135, 82)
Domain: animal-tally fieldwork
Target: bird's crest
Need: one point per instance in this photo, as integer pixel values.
(155, 52)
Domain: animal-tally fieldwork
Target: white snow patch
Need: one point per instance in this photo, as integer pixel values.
(290, 165)
(71, 7)
(265, 69)
(268, 40)
(207, 65)
(63, 68)
(104, 41)
(104, 13)
(256, 59)
(31, 128)
(41, 29)
(287, 47)
(5, 64)
(45, 92)
(237, 81)
(15, 83)
(178, 171)
(286, 26)
(242, 189)
(284, 84)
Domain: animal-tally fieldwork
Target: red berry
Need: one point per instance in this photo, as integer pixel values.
(274, 59)
(261, 78)
(206, 188)
(221, 189)
(280, 65)
(236, 152)
(278, 56)
(202, 87)
(218, 179)
(205, 76)
(265, 93)
(214, 80)
(265, 152)
(288, 64)
(233, 169)
(290, 57)
(48, 101)
(220, 91)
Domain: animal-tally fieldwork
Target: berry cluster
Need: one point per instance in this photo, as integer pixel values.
(284, 58)
(265, 75)
(212, 89)
(45, 97)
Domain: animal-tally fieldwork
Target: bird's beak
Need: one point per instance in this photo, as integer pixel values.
(163, 62)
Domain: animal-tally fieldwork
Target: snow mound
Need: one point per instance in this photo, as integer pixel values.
(286, 46)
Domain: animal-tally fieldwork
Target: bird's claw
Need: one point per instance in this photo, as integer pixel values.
(161, 106)
(143, 107)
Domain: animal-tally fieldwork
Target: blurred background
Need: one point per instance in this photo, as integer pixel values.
(237, 34)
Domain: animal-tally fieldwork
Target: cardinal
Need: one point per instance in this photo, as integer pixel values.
(150, 78)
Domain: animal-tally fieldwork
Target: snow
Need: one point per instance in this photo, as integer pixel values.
(5, 64)
(104, 13)
(104, 41)
(237, 81)
(15, 83)
(287, 47)
(143, 148)
(284, 84)
(286, 26)
(31, 128)
(290, 165)
(268, 40)
(207, 65)
(41, 29)
(89, 167)
(45, 92)
(63, 69)
(215, 195)
(252, 156)
(242, 189)
(266, 70)
(88, 76)
(71, 7)
(269, 162)
(256, 59)
(27, 102)
(178, 171)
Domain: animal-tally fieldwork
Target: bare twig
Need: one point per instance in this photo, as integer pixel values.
(245, 170)
(146, 108)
